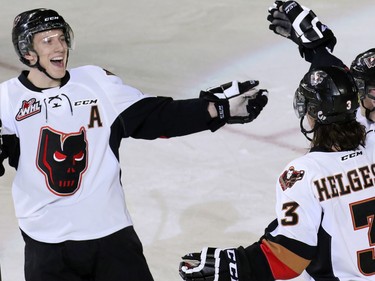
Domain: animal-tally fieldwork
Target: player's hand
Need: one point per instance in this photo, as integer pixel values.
(279, 22)
(237, 102)
(2, 169)
(3, 154)
(211, 264)
(300, 24)
(9, 148)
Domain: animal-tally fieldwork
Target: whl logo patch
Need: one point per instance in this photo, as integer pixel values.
(28, 108)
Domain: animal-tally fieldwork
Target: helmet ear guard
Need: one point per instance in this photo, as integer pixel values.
(299, 104)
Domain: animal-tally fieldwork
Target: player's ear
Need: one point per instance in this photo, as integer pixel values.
(311, 120)
(31, 57)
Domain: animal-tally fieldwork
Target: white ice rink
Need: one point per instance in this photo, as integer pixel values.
(207, 189)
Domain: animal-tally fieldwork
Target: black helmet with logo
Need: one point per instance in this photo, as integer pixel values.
(363, 70)
(28, 23)
(328, 94)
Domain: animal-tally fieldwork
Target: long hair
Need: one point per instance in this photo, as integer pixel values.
(339, 136)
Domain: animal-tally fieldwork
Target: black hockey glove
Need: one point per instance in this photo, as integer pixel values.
(3, 154)
(213, 264)
(9, 148)
(279, 22)
(237, 102)
(301, 25)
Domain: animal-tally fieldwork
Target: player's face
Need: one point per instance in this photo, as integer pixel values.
(369, 100)
(371, 92)
(52, 49)
(368, 103)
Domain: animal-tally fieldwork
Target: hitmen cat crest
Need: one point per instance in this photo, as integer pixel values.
(62, 158)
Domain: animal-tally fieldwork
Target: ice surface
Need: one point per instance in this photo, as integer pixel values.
(207, 189)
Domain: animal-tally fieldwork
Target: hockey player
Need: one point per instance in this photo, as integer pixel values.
(62, 131)
(316, 43)
(324, 199)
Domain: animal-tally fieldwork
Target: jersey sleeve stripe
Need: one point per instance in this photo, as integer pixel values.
(284, 264)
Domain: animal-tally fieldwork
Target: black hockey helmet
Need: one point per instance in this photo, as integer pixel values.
(28, 23)
(328, 94)
(363, 70)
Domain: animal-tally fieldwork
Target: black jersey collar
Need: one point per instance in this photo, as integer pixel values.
(26, 82)
(320, 149)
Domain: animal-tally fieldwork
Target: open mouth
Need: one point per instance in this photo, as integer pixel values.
(58, 61)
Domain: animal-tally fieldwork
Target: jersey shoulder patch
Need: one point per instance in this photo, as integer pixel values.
(290, 176)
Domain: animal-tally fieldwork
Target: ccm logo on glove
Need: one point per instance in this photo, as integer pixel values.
(233, 272)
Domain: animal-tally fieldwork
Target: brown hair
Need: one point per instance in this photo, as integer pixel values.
(339, 136)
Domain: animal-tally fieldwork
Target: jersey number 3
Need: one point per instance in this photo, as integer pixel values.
(363, 213)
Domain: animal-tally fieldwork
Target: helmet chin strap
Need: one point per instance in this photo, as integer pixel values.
(42, 69)
(304, 131)
(367, 111)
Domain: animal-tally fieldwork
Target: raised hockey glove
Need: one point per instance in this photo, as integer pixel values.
(279, 22)
(211, 264)
(237, 102)
(301, 25)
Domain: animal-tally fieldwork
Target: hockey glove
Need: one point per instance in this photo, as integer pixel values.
(3, 154)
(9, 148)
(301, 25)
(279, 22)
(212, 264)
(2, 158)
(237, 102)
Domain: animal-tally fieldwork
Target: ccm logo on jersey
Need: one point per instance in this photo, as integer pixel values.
(85, 102)
(289, 177)
(28, 108)
(351, 155)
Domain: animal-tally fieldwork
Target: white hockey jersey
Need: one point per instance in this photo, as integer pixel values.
(65, 131)
(67, 185)
(327, 202)
(364, 121)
